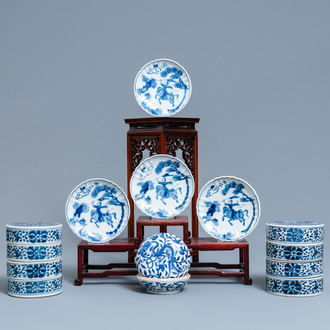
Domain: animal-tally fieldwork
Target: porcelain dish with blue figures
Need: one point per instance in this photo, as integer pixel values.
(162, 186)
(163, 256)
(291, 268)
(97, 210)
(162, 88)
(163, 285)
(228, 208)
(297, 252)
(294, 287)
(295, 231)
(30, 233)
(35, 288)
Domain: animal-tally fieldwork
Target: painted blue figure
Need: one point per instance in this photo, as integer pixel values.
(213, 207)
(163, 95)
(145, 187)
(149, 83)
(231, 214)
(97, 216)
(163, 192)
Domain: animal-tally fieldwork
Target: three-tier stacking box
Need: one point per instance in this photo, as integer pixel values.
(294, 258)
(34, 259)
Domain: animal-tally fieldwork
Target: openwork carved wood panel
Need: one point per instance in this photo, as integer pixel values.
(187, 147)
(139, 145)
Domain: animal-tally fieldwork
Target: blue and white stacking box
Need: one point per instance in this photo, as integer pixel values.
(294, 258)
(34, 259)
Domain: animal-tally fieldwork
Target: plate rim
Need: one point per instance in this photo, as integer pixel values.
(238, 179)
(167, 60)
(172, 157)
(108, 181)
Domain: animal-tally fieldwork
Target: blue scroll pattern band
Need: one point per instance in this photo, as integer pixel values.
(295, 235)
(163, 287)
(35, 288)
(34, 252)
(294, 287)
(24, 236)
(294, 252)
(294, 269)
(34, 270)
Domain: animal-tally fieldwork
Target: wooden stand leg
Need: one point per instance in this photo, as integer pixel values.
(79, 280)
(247, 279)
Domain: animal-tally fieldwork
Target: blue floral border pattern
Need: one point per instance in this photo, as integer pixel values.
(163, 287)
(295, 234)
(39, 236)
(294, 287)
(163, 256)
(294, 252)
(34, 270)
(35, 288)
(97, 210)
(162, 88)
(34, 252)
(294, 269)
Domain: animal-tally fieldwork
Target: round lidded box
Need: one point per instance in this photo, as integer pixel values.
(294, 262)
(163, 256)
(295, 231)
(163, 262)
(295, 287)
(34, 259)
(34, 232)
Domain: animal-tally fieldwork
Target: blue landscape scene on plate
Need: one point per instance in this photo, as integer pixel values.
(227, 208)
(162, 88)
(162, 186)
(163, 256)
(97, 210)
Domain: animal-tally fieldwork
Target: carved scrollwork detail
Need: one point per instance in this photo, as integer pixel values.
(187, 147)
(139, 145)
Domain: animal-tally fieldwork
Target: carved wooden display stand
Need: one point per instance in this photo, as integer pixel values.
(163, 135)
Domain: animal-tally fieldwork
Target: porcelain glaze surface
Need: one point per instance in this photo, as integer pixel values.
(163, 256)
(34, 252)
(38, 270)
(34, 233)
(97, 210)
(163, 286)
(162, 186)
(162, 88)
(295, 231)
(294, 269)
(299, 252)
(294, 287)
(228, 208)
(35, 289)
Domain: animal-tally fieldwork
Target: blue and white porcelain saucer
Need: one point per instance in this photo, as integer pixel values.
(97, 210)
(228, 208)
(162, 88)
(162, 186)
